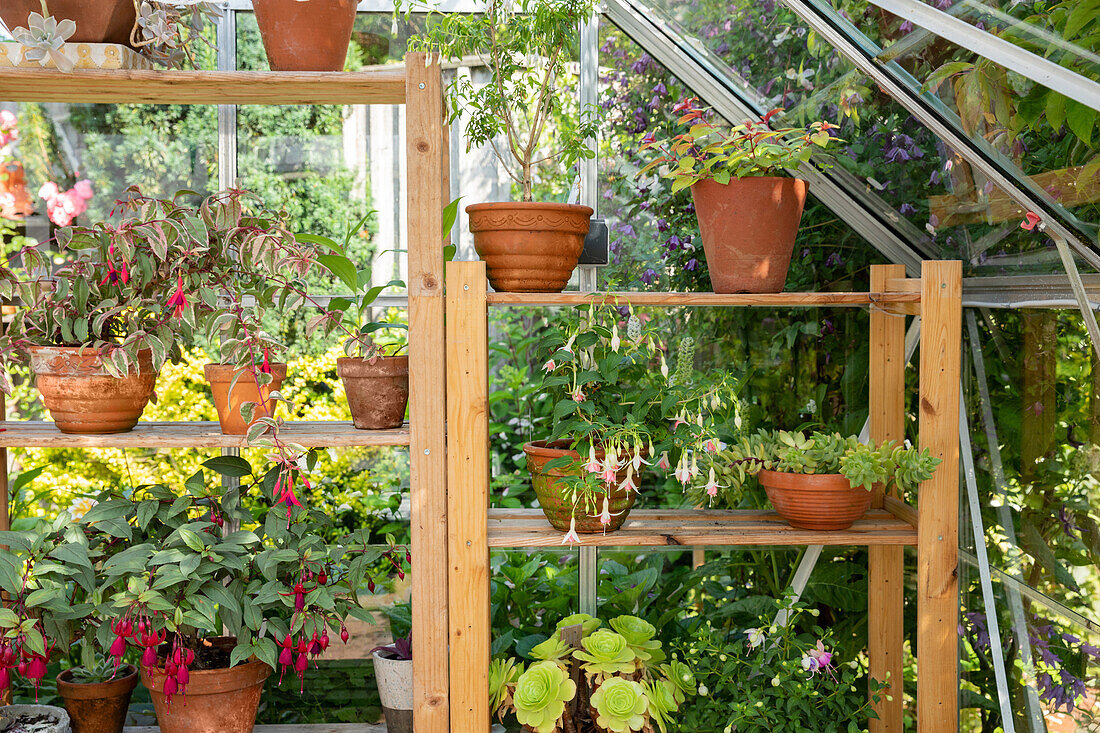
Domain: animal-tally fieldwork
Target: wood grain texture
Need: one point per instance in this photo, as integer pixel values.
(806, 300)
(468, 494)
(378, 85)
(427, 394)
(938, 499)
(320, 434)
(885, 565)
(656, 527)
(905, 512)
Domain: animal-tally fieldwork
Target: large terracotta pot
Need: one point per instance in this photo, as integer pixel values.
(394, 678)
(377, 392)
(215, 701)
(529, 247)
(550, 490)
(97, 21)
(305, 35)
(817, 501)
(15, 199)
(228, 402)
(82, 397)
(98, 707)
(748, 227)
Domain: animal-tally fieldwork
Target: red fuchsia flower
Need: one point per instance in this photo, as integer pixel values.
(178, 299)
(265, 367)
(1031, 220)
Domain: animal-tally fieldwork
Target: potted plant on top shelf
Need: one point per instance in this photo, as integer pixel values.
(617, 407)
(305, 35)
(748, 213)
(820, 482)
(528, 246)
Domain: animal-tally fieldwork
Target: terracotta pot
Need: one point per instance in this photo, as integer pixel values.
(549, 488)
(220, 378)
(13, 183)
(748, 227)
(215, 701)
(819, 502)
(97, 21)
(305, 35)
(529, 247)
(394, 678)
(98, 707)
(82, 397)
(377, 392)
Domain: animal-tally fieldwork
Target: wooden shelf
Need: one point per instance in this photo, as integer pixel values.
(800, 300)
(656, 527)
(314, 434)
(377, 85)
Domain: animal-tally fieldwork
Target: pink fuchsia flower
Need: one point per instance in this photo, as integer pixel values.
(83, 189)
(593, 464)
(637, 461)
(577, 394)
(663, 463)
(610, 468)
(628, 483)
(605, 515)
(683, 470)
(549, 366)
(265, 366)
(817, 659)
(680, 420)
(1031, 220)
(178, 299)
(712, 484)
(756, 637)
(571, 537)
(713, 446)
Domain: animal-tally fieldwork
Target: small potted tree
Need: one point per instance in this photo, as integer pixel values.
(820, 482)
(748, 212)
(528, 246)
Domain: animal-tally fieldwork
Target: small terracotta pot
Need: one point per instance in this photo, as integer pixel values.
(215, 701)
(824, 501)
(550, 490)
(377, 392)
(98, 707)
(221, 376)
(748, 227)
(82, 397)
(97, 21)
(305, 35)
(13, 182)
(529, 247)
(394, 678)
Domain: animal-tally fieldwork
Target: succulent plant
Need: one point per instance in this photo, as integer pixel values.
(620, 705)
(661, 699)
(503, 674)
(540, 696)
(588, 624)
(605, 654)
(551, 650)
(681, 678)
(639, 637)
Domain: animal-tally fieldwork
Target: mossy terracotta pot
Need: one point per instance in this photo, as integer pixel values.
(748, 227)
(215, 700)
(377, 392)
(819, 502)
(305, 35)
(529, 247)
(229, 396)
(97, 21)
(551, 488)
(82, 397)
(98, 707)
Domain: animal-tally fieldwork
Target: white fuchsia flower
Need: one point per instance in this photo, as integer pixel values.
(664, 464)
(683, 470)
(571, 537)
(577, 394)
(615, 340)
(756, 637)
(605, 515)
(712, 484)
(593, 464)
(549, 366)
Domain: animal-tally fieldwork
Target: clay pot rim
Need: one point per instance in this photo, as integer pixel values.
(527, 205)
(67, 687)
(558, 448)
(220, 372)
(755, 178)
(212, 681)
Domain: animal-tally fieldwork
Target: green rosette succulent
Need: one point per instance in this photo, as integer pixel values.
(661, 698)
(588, 624)
(639, 636)
(551, 650)
(503, 674)
(681, 678)
(621, 705)
(605, 653)
(540, 696)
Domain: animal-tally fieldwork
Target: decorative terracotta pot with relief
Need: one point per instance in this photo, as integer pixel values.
(529, 247)
(98, 707)
(550, 488)
(748, 227)
(231, 391)
(82, 397)
(97, 21)
(215, 701)
(305, 35)
(820, 502)
(377, 392)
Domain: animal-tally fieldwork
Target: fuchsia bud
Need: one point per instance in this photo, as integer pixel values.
(408, 557)
(21, 668)
(401, 574)
(7, 657)
(344, 635)
(322, 578)
(149, 656)
(324, 640)
(370, 585)
(5, 678)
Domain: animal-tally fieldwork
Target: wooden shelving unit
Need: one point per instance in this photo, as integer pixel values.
(931, 526)
(418, 86)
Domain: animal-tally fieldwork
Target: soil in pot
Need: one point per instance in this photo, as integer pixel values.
(228, 402)
(748, 227)
(97, 21)
(394, 679)
(82, 397)
(98, 707)
(529, 247)
(305, 35)
(818, 502)
(550, 490)
(377, 392)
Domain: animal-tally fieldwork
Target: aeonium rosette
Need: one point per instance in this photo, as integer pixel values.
(150, 576)
(625, 400)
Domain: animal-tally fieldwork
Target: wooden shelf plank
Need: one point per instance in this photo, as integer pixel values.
(195, 435)
(657, 527)
(805, 300)
(378, 85)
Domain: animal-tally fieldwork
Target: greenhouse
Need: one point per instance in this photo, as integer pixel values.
(553, 366)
